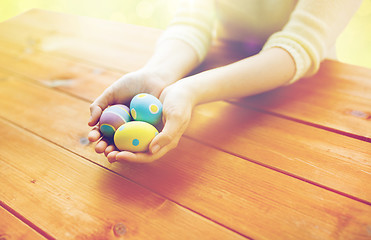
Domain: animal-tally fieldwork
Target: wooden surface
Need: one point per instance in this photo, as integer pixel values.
(293, 163)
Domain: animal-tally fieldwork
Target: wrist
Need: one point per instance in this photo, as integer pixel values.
(172, 60)
(190, 90)
(163, 74)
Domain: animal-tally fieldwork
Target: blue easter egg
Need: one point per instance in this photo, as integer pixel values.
(147, 108)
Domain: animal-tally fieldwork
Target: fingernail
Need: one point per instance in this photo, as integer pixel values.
(90, 119)
(112, 160)
(155, 149)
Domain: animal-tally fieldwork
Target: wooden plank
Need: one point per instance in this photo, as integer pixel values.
(76, 78)
(240, 195)
(110, 44)
(28, 105)
(340, 167)
(319, 156)
(98, 30)
(62, 135)
(13, 228)
(71, 198)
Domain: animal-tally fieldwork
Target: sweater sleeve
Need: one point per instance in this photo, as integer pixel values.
(312, 31)
(193, 23)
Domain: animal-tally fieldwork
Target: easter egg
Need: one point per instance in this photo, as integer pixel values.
(134, 136)
(112, 118)
(147, 108)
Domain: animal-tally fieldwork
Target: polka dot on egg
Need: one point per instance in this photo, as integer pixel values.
(133, 114)
(135, 142)
(153, 108)
(121, 128)
(142, 95)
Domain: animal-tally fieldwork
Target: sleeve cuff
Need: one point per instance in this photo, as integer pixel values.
(195, 38)
(298, 53)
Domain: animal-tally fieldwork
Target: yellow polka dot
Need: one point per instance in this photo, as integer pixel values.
(153, 108)
(133, 114)
(142, 95)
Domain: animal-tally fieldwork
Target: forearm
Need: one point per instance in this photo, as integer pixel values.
(172, 60)
(265, 71)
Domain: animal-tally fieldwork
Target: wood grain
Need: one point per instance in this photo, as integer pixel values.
(76, 78)
(344, 168)
(71, 198)
(113, 45)
(325, 158)
(238, 194)
(12, 228)
(280, 171)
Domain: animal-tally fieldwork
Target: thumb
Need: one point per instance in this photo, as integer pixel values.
(95, 112)
(169, 137)
(99, 104)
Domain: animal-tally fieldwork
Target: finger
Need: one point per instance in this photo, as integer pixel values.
(126, 156)
(99, 104)
(95, 112)
(146, 157)
(111, 157)
(109, 149)
(169, 136)
(162, 139)
(94, 135)
(160, 153)
(101, 146)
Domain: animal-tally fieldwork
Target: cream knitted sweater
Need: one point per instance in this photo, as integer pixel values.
(307, 29)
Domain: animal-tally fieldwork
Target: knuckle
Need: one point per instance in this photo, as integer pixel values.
(174, 114)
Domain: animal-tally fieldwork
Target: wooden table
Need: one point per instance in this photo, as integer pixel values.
(293, 163)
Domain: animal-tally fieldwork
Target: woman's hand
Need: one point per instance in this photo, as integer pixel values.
(178, 103)
(162, 69)
(121, 92)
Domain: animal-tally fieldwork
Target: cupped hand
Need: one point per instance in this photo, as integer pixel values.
(178, 103)
(121, 92)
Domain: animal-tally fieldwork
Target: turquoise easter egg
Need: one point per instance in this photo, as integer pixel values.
(147, 108)
(134, 136)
